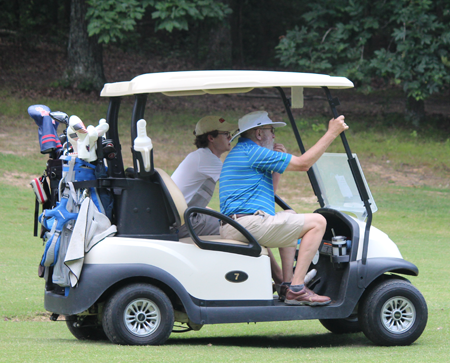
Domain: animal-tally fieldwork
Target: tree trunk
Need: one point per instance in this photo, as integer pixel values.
(85, 54)
(236, 22)
(219, 44)
(219, 55)
(415, 111)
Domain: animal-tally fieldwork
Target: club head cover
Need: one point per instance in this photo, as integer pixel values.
(83, 140)
(102, 127)
(92, 147)
(47, 132)
(73, 139)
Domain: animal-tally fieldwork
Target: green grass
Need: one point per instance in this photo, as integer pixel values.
(415, 217)
(294, 341)
(21, 164)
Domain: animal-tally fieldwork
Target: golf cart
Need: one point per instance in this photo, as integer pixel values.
(133, 282)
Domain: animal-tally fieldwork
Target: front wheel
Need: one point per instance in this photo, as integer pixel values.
(393, 313)
(139, 314)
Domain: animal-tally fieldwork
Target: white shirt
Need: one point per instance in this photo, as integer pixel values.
(197, 176)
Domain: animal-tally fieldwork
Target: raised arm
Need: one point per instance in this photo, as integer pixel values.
(305, 161)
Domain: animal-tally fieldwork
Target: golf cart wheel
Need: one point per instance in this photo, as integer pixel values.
(342, 326)
(139, 314)
(393, 313)
(85, 328)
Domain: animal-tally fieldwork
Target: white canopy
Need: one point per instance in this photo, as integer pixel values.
(189, 83)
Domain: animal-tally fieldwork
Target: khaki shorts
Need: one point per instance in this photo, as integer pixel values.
(203, 224)
(281, 230)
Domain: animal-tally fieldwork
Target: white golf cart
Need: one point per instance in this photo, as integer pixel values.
(136, 284)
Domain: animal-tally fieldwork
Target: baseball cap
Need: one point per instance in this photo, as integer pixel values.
(212, 123)
(255, 119)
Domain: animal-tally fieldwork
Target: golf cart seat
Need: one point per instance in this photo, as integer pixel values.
(174, 196)
(181, 213)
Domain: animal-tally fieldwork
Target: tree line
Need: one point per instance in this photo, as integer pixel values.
(402, 42)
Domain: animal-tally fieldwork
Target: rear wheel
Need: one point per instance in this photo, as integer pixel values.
(342, 326)
(139, 314)
(393, 313)
(85, 327)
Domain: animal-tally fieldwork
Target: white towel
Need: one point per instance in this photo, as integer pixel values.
(90, 228)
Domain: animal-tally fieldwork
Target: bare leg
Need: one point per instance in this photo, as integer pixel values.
(287, 255)
(277, 274)
(315, 225)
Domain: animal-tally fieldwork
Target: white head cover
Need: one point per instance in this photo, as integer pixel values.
(256, 119)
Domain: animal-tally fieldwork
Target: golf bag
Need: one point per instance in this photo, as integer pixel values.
(60, 221)
(66, 183)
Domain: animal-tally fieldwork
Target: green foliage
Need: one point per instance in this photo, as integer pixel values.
(112, 19)
(404, 41)
(176, 14)
(334, 40)
(33, 21)
(422, 46)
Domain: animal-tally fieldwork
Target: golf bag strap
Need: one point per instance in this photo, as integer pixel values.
(45, 185)
(36, 216)
(69, 176)
(73, 193)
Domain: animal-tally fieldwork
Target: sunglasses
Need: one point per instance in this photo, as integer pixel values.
(226, 133)
(272, 129)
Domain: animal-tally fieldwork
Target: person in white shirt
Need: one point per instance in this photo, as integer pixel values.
(199, 172)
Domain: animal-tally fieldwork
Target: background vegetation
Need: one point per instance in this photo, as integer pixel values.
(388, 49)
(401, 44)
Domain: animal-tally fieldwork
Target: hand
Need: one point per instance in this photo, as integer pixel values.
(279, 147)
(337, 125)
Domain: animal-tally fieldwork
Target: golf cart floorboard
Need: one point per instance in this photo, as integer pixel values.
(279, 311)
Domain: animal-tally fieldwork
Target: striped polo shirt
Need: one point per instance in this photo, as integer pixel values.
(246, 184)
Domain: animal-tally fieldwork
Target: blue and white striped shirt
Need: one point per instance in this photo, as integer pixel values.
(246, 184)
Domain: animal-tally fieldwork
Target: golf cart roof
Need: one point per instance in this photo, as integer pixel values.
(191, 83)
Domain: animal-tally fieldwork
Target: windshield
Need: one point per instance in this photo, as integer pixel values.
(338, 186)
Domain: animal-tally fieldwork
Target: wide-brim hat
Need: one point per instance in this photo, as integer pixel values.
(213, 123)
(255, 119)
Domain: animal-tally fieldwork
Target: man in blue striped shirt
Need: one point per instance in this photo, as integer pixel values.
(248, 182)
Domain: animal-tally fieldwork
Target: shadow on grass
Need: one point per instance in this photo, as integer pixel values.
(279, 341)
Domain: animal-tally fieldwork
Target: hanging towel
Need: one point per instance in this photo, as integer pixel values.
(90, 228)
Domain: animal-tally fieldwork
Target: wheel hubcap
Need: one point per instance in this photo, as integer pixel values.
(142, 317)
(398, 315)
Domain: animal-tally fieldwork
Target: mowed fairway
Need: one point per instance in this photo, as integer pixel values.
(415, 216)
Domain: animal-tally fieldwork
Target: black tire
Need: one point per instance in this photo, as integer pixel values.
(139, 314)
(393, 313)
(342, 326)
(85, 328)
